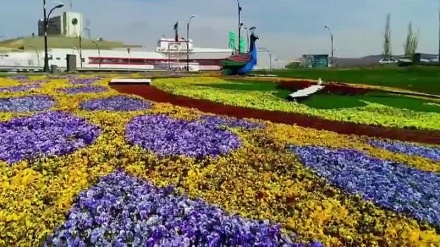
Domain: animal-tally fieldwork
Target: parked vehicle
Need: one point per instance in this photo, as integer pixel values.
(388, 61)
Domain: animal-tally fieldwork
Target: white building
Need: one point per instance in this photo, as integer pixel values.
(69, 24)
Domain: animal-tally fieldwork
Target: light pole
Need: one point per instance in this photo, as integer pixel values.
(331, 39)
(247, 37)
(38, 54)
(77, 50)
(239, 25)
(187, 41)
(45, 27)
(80, 45)
(269, 52)
(439, 35)
(99, 52)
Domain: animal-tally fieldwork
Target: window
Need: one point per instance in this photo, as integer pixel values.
(58, 58)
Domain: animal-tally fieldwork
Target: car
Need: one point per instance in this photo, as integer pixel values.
(387, 61)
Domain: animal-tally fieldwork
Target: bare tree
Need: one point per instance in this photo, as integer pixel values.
(411, 42)
(387, 51)
(414, 42)
(407, 44)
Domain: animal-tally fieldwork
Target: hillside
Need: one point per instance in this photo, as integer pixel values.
(26, 43)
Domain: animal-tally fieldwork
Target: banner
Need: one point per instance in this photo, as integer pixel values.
(232, 40)
(176, 31)
(243, 47)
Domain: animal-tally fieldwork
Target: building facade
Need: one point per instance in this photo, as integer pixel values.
(69, 24)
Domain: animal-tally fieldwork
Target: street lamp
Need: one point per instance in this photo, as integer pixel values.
(247, 37)
(99, 52)
(38, 54)
(80, 45)
(269, 52)
(187, 42)
(239, 24)
(77, 50)
(331, 39)
(45, 27)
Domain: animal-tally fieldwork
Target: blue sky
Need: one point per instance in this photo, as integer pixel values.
(288, 27)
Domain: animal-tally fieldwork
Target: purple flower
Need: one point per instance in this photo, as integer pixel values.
(19, 88)
(230, 122)
(168, 136)
(169, 219)
(84, 89)
(88, 81)
(26, 103)
(408, 148)
(391, 185)
(48, 134)
(115, 103)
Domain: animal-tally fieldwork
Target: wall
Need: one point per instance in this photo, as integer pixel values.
(71, 30)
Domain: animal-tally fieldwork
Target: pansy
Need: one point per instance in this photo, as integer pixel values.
(44, 134)
(84, 89)
(230, 122)
(75, 80)
(123, 210)
(408, 148)
(168, 136)
(26, 103)
(19, 88)
(115, 103)
(389, 184)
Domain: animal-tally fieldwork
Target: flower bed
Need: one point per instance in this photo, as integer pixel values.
(107, 169)
(221, 91)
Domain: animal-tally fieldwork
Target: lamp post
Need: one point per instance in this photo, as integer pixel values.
(187, 41)
(77, 50)
(80, 45)
(269, 52)
(99, 52)
(45, 27)
(38, 54)
(247, 37)
(239, 24)
(331, 40)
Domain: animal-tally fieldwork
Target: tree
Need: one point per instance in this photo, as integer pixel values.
(387, 51)
(411, 42)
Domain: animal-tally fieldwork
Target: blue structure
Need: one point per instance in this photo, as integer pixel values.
(242, 64)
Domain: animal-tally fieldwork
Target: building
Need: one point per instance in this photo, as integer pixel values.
(69, 24)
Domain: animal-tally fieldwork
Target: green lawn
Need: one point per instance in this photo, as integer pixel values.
(420, 79)
(326, 101)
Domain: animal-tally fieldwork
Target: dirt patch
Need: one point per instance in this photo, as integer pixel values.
(154, 94)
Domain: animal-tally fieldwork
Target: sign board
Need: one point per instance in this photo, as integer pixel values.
(243, 47)
(232, 40)
(316, 61)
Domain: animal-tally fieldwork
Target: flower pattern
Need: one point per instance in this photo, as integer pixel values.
(49, 134)
(389, 184)
(26, 103)
(115, 103)
(168, 136)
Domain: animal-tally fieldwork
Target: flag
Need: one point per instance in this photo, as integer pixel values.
(176, 31)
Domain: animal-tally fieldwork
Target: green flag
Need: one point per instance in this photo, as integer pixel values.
(243, 47)
(232, 40)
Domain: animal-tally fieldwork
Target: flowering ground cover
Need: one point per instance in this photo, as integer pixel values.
(367, 109)
(100, 168)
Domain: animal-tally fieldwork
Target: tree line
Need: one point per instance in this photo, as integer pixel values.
(411, 41)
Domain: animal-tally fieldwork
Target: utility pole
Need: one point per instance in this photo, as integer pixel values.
(187, 42)
(239, 25)
(332, 45)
